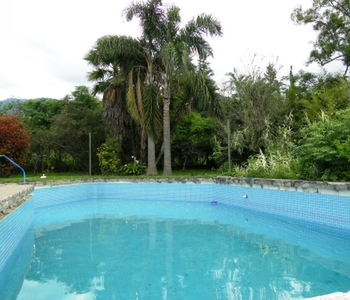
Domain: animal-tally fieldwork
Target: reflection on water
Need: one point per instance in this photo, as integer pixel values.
(128, 257)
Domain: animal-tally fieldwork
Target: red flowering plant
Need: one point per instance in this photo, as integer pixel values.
(14, 142)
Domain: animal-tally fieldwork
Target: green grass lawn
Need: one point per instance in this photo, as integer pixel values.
(69, 176)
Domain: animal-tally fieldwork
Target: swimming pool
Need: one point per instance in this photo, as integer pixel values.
(217, 241)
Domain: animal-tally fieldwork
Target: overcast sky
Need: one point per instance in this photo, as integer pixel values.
(43, 42)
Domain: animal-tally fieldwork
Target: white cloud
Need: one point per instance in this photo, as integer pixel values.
(44, 41)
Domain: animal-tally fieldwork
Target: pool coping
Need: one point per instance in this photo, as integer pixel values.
(320, 187)
(11, 194)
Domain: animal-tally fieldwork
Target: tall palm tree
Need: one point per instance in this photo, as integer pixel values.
(152, 114)
(171, 46)
(112, 57)
(119, 73)
(143, 103)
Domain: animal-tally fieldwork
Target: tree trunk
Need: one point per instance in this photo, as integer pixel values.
(151, 163)
(166, 129)
(115, 116)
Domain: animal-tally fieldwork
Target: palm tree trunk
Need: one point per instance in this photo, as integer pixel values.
(151, 163)
(115, 117)
(166, 129)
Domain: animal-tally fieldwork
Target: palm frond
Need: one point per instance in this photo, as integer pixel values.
(139, 88)
(131, 100)
(207, 24)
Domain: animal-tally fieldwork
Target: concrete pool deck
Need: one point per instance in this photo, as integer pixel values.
(11, 195)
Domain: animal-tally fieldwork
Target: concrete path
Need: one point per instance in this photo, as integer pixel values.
(11, 194)
(10, 189)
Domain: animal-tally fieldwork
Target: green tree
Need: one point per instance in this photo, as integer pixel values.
(112, 58)
(310, 94)
(331, 20)
(255, 105)
(38, 113)
(81, 114)
(193, 140)
(172, 44)
(123, 72)
(324, 146)
(329, 95)
(38, 117)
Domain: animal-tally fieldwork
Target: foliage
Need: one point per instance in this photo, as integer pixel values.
(343, 148)
(331, 20)
(309, 94)
(192, 142)
(123, 72)
(108, 156)
(278, 161)
(80, 115)
(323, 151)
(278, 166)
(14, 142)
(220, 154)
(169, 47)
(329, 98)
(254, 103)
(112, 59)
(38, 113)
(38, 116)
(133, 168)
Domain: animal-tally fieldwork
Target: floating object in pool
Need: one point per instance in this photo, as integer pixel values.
(245, 196)
(43, 176)
(214, 202)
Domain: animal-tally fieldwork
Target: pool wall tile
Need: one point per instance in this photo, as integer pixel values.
(324, 209)
(329, 211)
(14, 231)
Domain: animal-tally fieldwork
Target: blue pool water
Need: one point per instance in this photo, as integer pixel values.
(137, 248)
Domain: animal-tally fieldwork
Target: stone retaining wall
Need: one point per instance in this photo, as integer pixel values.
(335, 188)
(12, 194)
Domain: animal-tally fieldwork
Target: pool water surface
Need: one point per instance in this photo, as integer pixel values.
(141, 249)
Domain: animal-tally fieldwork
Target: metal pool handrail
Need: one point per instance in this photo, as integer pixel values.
(10, 160)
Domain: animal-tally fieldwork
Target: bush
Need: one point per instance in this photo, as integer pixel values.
(276, 166)
(14, 142)
(108, 156)
(133, 168)
(324, 150)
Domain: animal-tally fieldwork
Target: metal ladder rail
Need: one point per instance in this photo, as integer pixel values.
(10, 160)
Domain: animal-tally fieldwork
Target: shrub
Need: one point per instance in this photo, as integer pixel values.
(14, 142)
(282, 166)
(108, 156)
(324, 150)
(133, 168)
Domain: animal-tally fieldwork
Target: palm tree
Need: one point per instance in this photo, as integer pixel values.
(171, 46)
(119, 73)
(112, 58)
(152, 114)
(143, 104)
